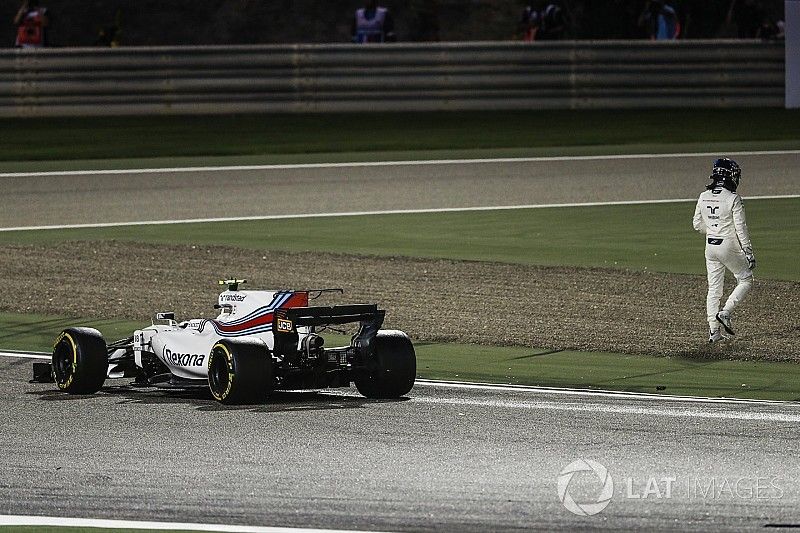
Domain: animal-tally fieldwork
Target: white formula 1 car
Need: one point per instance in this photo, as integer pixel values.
(261, 341)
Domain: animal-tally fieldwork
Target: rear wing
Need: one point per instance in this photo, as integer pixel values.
(286, 321)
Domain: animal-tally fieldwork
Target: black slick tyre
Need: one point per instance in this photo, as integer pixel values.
(80, 361)
(392, 368)
(240, 371)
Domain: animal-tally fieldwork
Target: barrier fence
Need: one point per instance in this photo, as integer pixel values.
(391, 77)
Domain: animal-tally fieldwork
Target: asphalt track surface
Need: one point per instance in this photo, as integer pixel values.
(92, 198)
(445, 458)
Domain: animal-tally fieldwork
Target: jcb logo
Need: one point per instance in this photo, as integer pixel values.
(713, 209)
(284, 326)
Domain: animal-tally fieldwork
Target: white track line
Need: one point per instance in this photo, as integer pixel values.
(25, 355)
(13, 520)
(650, 409)
(356, 164)
(494, 387)
(370, 213)
(592, 392)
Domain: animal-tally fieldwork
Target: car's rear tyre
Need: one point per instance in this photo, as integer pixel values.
(240, 371)
(392, 368)
(80, 361)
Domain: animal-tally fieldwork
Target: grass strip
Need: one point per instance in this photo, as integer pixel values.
(610, 371)
(37, 332)
(513, 365)
(643, 237)
(82, 138)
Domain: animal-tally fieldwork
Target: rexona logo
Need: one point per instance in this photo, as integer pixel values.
(183, 359)
(233, 297)
(580, 470)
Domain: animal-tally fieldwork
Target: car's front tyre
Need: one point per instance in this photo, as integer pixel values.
(240, 371)
(80, 361)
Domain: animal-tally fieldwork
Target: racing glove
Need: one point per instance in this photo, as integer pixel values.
(751, 258)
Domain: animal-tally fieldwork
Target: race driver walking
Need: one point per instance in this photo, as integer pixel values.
(719, 215)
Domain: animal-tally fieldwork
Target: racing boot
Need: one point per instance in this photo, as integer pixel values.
(724, 318)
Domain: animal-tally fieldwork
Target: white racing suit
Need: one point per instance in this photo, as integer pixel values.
(719, 215)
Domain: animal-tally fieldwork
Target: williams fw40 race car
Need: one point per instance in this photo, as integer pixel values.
(261, 341)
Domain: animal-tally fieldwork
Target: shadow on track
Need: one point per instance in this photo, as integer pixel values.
(279, 401)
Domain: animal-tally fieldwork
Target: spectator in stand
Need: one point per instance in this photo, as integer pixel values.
(31, 21)
(373, 24)
(769, 30)
(552, 23)
(660, 21)
(546, 24)
(111, 36)
(780, 28)
(529, 23)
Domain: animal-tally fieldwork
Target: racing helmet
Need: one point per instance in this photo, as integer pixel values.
(725, 173)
